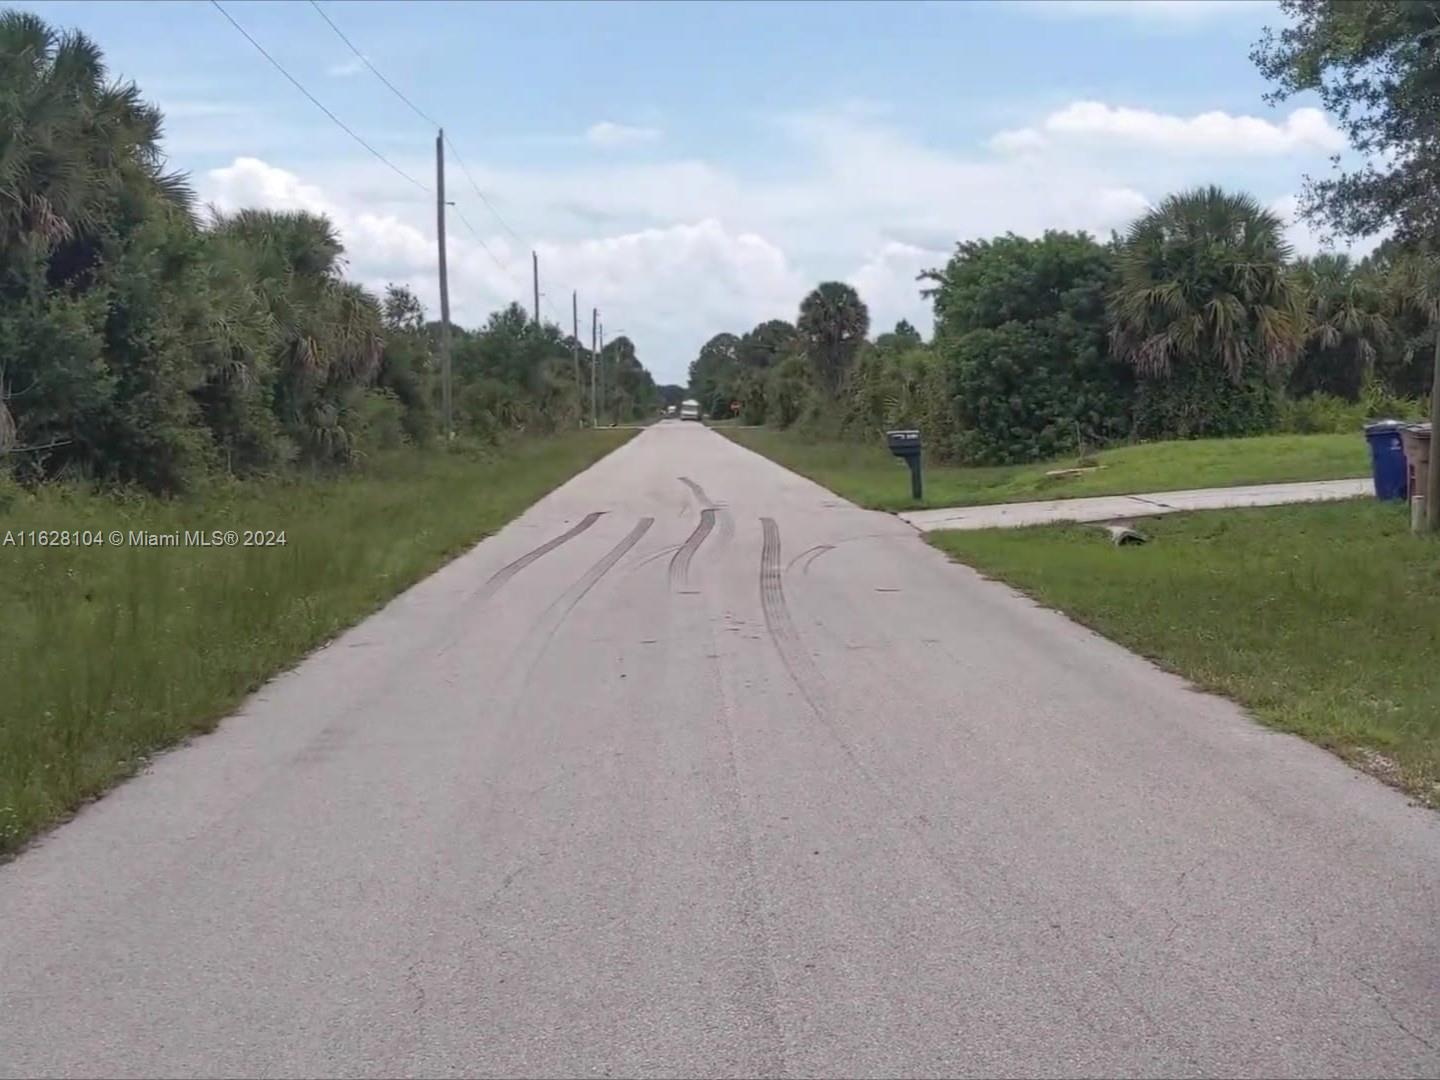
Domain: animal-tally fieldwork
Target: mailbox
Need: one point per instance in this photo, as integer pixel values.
(906, 446)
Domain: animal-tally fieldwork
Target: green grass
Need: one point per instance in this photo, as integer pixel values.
(110, 653)
(1323, 619)
(870, 476)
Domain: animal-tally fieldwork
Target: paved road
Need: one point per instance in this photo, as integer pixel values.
(1151, 504)
(733, 778)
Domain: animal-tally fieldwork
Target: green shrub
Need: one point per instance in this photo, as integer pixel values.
(1328, 414)
(1196, 401)
(1034, 391)
(787, 391)
(1021, 325)
(380, 422)
(749, 390)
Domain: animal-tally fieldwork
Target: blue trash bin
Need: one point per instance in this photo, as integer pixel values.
(1387, 459)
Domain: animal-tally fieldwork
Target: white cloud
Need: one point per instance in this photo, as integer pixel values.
(667, 287)
(887, 281)
(249, 181)
(674, 251)
(1019, 141)
(1095, 122)
(607, 133)
(346, 68)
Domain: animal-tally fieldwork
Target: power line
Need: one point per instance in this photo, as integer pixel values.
(420, 113)
(486, 247)
(373, 69)
(465, 169)
(491, 206)
(455, 153)
(314, 100)
(435, 123)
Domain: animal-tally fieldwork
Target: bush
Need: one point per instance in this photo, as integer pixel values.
(1030, 392)
(379, 422)
(787, 391)
(1328, 414)
(1195, 402)
(903, 385)
(1021, 326)
(750, 393)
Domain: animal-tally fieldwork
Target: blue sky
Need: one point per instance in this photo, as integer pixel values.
(692, 168)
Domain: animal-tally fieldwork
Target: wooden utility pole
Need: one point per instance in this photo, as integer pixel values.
(575, 350)
(444, 280)
(594, 360)
(535, 275)
(600, 360)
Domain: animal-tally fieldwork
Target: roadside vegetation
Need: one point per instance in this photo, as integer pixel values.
(145, 343)
(1323, 619)
(867, 474)
(1192, 349)
(1198, 324)
(164, 369)
(113, 652)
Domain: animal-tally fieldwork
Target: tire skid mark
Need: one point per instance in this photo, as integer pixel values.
(722, 514)
(668, 550)
(705, 501)
(680, 561)
(588, 580)
(807, 678)
(509, 570)
(814, 553)
(797, 661)
(550, 621)
(735, 802)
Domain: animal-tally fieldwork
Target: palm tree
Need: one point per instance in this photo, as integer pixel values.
(1203, 281)
(832, 325)
(326, 333)
(1347, 325)
(70, 143)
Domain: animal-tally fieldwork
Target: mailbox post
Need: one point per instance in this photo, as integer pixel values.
(906, 446)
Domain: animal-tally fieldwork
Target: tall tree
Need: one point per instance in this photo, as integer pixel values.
(72, 143)
(711, 372)
(1022, 329)
(766, 345)
(1203, 279)
(1347, 325)
(1204, 297)
(832, 326)
(1376, 67)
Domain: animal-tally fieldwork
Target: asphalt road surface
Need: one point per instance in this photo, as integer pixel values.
(697, 770)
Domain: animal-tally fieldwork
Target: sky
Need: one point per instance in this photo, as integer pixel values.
(694, 168)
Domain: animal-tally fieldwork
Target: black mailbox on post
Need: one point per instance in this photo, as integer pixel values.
(906, 446)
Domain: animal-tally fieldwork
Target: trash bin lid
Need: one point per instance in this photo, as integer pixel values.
(1382, 427)
(1423, 430)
